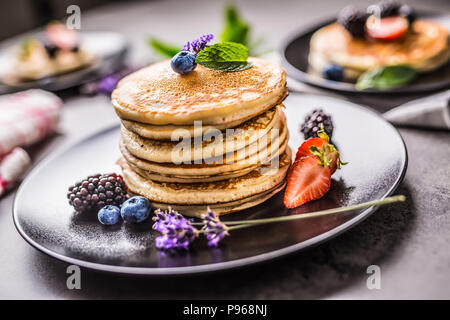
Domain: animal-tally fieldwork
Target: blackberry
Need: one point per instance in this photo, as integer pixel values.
(313, 122)
(388, 8)
(408, 13)
(354, 20)
(51, 50)
(97, 191)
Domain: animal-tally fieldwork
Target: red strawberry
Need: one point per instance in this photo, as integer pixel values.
(321, 147)
(307, 180)
(61, 36)
(304, 151)
(387, 29)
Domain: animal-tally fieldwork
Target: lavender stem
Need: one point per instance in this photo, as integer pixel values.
(248, 223)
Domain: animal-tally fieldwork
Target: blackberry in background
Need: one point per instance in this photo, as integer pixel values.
(408, 13)
(97, 191)
(389, 8)
(313, 122)
(353, 20)
(51, 50)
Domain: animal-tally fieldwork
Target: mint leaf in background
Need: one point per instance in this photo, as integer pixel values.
(162, 48)
(235, 29)
(384, 78)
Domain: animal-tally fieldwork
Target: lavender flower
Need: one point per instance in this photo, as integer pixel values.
(214, 229)
(106, 84)
(198, 44)
(177, 231)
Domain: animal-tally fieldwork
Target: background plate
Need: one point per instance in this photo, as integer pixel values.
(110, 47)
(374, 148)
(295, 53)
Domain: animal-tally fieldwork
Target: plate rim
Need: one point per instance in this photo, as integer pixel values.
(340, 86)
(212, 267)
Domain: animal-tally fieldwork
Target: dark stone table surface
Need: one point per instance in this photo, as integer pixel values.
(410, 242)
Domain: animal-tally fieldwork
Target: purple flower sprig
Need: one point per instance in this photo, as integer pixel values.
(179, 232)
(213, 228)
(199, 44)
(106, 84)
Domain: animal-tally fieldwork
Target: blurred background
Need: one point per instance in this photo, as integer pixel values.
(167, 17)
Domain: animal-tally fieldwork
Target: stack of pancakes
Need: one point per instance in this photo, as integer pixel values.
(425, 48)
(209, 138)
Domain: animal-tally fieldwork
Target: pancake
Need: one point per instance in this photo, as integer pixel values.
(222, 208)
(157, 95)
(425, 48)
(168, 172)
(165, 132)
(213, 193)
(245, 139)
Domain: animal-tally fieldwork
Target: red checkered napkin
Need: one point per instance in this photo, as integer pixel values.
(27, 117)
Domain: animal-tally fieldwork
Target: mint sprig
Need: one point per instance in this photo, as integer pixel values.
(224, 56)
(236, 29)
(164, 49)
(384, 78)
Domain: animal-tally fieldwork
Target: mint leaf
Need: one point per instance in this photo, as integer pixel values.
(231, 66)
(236, 29)
(384, 78)
(27, 46)
(162, 48)
(223, 52)
(225, 56)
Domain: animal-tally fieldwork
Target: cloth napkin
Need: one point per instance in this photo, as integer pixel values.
(25, 118)
(431, 112)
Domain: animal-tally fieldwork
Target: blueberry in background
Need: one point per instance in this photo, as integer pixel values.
(333, 72)
(183, 62)
(109, 215)
(136, 209)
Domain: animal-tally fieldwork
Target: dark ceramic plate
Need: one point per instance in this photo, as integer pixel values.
(377, 162)
(109, 47)
(295, 53)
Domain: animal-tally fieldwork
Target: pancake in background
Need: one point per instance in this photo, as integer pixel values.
(425, 48)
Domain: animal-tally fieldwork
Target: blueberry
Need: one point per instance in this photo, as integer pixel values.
(333, 72)
(109, 215)
(183, 62)
(135, 209)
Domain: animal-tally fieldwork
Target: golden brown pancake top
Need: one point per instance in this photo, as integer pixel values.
(158, 95)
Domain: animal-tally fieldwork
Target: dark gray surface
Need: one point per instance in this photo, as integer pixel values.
(409, 241)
